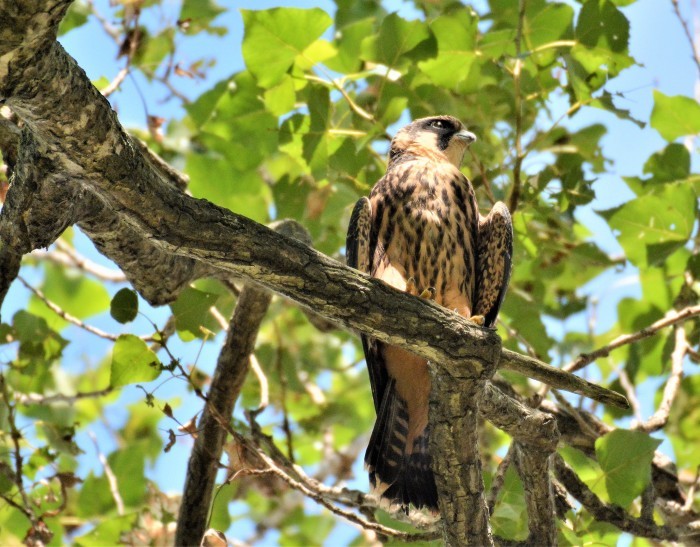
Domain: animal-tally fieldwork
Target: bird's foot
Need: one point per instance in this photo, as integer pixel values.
(411, 286)
(428, 293)
(478, 320)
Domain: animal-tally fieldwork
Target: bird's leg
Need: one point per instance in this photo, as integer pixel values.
(477, 320)
(411, 286)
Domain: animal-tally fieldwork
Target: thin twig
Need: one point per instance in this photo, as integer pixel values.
(519, 156)
(336, 83)
(603, 512)
(660, 417)
(15, 435)
(116, 82)
(36, 399)
(262, 380)
(72, 319)
(26, 512)
(689, 35)
(112, 31)
(499, 479)
(671, 319)
(520, 338)
(575, 414)
(109, 474)
(283, 394)
(65, 255)
(629, 388)
(274, 469)
(690, 496)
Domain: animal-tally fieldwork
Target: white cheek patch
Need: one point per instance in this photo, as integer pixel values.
(428, 140)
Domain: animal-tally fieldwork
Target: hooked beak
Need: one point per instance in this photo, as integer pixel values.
(467, 136)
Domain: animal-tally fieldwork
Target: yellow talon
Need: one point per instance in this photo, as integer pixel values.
(428, 293)
(478, 320)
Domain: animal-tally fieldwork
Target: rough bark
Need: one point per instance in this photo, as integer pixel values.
(455, 395)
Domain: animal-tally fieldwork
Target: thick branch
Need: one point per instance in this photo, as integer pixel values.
(533, 467)
(455, 395)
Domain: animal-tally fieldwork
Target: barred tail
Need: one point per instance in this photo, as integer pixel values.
(400, 477)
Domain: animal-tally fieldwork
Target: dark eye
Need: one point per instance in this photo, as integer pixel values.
(438, 124)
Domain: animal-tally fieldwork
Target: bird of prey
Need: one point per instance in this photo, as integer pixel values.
(420, 231)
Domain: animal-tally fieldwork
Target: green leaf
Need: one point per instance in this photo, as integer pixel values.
(37, 340)
(128, 466)
(220, 514)
(215, 179)
(280, 99)
(625, 458)
(601, 24)
(237, 126)
(553, 22)
(124, 306)
(95, 499)
(672, 163)
(80, 296)
(273, 38)
(349, 43)
(456, 38)
(510, 517)
(396, 37)
(199, 15)
(653, 226)
(142, 428)
(153, 49)
(675, 116)
(191, 310)
(76, 17)
(109, 531)
(132, 362)
(203, 108)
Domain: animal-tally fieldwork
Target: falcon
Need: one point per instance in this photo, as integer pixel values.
(420, 231)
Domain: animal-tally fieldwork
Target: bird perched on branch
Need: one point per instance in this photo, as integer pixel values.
(420, 231)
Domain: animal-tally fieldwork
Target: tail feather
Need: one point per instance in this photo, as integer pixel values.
(402, 478)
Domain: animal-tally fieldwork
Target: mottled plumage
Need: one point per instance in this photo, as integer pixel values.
(420, 231)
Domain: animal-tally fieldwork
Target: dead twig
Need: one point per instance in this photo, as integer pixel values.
(672, 318)
(688, 34)
(660, 417)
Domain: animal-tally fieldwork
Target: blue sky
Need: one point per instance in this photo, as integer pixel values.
(656, 41)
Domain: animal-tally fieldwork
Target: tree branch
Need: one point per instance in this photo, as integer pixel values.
(455, 396)
(672, 318)
(231, 371)
(608, 513)
(660, 417)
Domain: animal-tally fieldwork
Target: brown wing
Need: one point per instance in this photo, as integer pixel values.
(493, 262)
(360, 246)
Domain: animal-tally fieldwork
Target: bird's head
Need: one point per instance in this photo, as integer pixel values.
(443, 138)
